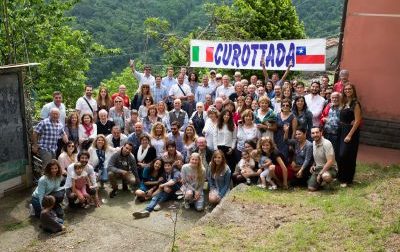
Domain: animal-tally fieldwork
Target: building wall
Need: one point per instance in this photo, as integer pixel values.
(371, 53)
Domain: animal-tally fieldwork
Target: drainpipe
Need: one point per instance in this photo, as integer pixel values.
(340, 47)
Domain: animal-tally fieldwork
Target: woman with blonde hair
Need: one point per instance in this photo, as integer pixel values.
(193, 177)
(100, 153)
(218, 177)
(159, 138)
(119, 114)
(189, 142)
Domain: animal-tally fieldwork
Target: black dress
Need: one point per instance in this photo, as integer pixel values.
(347, 151)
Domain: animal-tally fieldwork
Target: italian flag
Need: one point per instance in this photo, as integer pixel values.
(196, 55)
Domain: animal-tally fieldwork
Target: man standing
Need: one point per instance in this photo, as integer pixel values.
(300, 89)
(189, 106)
(144, 77)
(104, 126)
(226, 89)
(116, 138)
(56, 103)
(324, 169)
(134, 138)
(159, 91)
(179, 115)
(275, 76)
(343, 79)
(122, 165)
(330, 120)
(169, 80)
(83, 158)
(122, 93)
(203, 91)
(315, 102)
(45, 137)
(180, 90)
(86, 104)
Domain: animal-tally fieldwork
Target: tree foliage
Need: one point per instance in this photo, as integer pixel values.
(38, 31)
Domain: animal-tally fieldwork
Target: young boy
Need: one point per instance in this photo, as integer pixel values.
(48, 218)
(166, 190)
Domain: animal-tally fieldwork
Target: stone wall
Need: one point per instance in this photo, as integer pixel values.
(381, 133)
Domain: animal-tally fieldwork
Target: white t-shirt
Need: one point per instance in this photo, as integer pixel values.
(84, 108)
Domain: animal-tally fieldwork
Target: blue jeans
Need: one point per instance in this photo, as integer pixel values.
(59, 196)
(158, 198)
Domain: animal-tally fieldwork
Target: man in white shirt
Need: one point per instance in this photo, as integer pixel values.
(56, 103)
(315, 102)
(180, 90)
(145, 77)
(226, 89)
(86, 104)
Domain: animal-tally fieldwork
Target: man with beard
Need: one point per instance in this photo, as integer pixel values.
(315, 102)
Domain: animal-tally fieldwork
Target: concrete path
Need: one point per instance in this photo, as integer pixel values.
(108, 228)
(377, 155)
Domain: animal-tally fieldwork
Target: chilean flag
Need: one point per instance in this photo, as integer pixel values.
(303, 58)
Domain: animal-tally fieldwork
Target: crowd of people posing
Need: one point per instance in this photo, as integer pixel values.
(178, 137)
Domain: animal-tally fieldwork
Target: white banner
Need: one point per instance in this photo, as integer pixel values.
(306, 54)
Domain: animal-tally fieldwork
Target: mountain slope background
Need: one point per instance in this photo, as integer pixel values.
(119, 24)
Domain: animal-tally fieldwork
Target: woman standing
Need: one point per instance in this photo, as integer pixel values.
(103, 100)
(119, 114)
(189, 142)
(145, 154)
(247, 130)
(72, 128)
(87, 131)
(67, 157)
(139, 97)
(286, 127)
(49, 184)
(265, 118)
(199, 118)
(210, 126)
(218, 177)
(349, 135)
(100, 153)
(144, 109)
(193, 177)
(303, 115)
(225, 137)
(159, 138)
(193, 82)
(151, 118)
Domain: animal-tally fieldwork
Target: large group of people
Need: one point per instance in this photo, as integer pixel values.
(181, 136)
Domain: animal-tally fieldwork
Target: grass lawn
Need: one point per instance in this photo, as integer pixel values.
(363, 217)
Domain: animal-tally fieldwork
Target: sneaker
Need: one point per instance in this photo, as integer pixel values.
(262, 186)
(31, 210)
(86, 206)
(157, 207)
(248, 181)
(113, 193)
(76, 201)
(179, 197)
(186, 205)
(343, 185)
(273, 187)
(179, 192)
(141, 214)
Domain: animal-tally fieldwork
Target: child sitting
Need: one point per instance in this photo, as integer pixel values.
(48, 218)
(80, 180)
(264, 164)
(244, 169)
(166, 190)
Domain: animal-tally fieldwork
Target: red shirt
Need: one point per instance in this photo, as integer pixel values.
(125, 98)
(338, 87)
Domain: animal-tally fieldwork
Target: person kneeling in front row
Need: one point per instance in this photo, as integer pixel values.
(324, 169)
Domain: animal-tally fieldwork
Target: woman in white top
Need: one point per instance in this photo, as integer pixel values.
(210, 126)
(87, 131)
(100, 152)
(225, 137)
(159, 138)
(247, 130)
